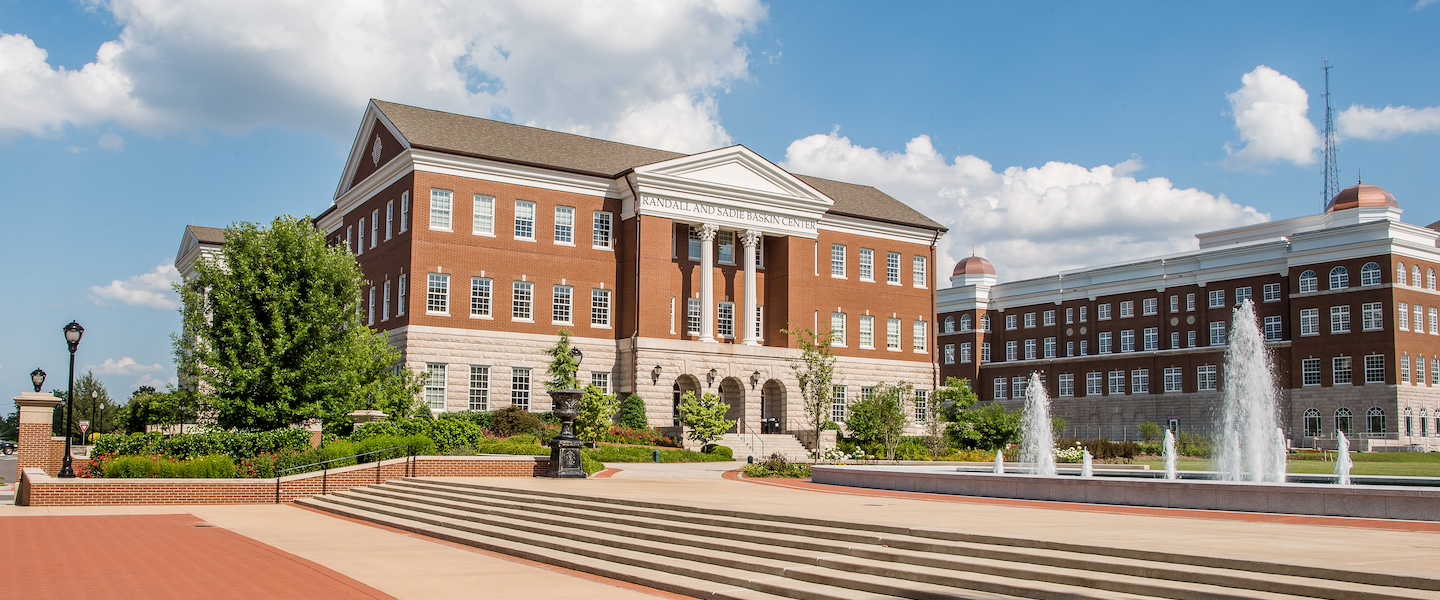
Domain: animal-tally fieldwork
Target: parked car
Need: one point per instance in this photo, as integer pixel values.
(8, 448)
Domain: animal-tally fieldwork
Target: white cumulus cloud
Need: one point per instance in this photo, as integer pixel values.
(147, 290)
(123, 366)
(1029, 221)
(597, 68)
(1365, 123)
(1270, 116)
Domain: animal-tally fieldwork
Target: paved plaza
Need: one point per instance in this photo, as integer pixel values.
(283, 551)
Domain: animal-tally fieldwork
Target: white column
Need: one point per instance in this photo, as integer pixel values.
(707, 282)
(749, 239)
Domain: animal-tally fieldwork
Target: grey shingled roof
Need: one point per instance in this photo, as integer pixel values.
(207, 235)
(1435, 226)
(472, 136)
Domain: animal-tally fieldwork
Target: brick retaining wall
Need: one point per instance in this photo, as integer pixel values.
(40, 489)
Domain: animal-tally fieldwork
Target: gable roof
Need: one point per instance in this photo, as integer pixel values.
(207, 235)
(505, 142)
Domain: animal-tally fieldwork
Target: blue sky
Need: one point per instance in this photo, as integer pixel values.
(1046, 135)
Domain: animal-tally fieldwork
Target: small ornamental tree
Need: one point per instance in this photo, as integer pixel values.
(596, 413)
(563, 369)
(704, 416)
(632, 413)
(815, 370)
(881, 417)
(271, 329)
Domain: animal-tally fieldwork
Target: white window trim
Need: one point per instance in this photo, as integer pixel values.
(595, 219)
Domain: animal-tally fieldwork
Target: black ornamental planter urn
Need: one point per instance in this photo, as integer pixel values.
(565, 449)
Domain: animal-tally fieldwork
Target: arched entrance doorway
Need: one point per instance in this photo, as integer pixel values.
(772, 407)
(683, 383)
(733, 393)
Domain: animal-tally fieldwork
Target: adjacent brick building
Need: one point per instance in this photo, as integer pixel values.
(1347, 300)
(482, 240)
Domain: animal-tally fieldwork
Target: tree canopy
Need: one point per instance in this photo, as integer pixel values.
(272, 332)
(815, 371)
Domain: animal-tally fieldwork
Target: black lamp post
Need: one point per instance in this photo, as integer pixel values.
(94, 411)
(37, 378)
(73, 333)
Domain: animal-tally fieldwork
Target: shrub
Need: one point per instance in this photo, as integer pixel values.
(450, 433)
(207, 467)
(632, 454)
(194, 445)
(478, 417)
(1105, 449)
(777, 466)
(642, 437)
(514, 420)
(718, 450)
(912, 448)
(632, 413)
(589, 465)
(1190, 444)
(705, 416)
(596, 413)
(1151, 432)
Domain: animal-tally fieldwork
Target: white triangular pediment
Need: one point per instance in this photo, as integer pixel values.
(361, 148)
(735, 168)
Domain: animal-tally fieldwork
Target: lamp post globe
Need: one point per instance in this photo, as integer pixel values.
(73, 333)
(37, 378)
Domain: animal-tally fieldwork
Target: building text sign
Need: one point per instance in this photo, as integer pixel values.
(725, 215)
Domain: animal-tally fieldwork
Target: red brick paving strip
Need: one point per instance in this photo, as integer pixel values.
(1147, 511)
(155, 557)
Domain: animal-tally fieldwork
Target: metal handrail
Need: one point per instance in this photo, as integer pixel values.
(746, 429)
(325, 471)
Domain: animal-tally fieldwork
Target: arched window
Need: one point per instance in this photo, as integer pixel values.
(1409, 422)
(985, 323)
(1309, 282)
(1312, 422)
(1339, 278)
(1430, 279)
(1400, 273)
(949, 324)
(1424, 418)
(965, 323)
(1342, 421)
(1370, 274)
(1415, 275)
(1375, 421)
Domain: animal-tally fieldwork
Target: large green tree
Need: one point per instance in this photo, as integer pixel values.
(97, 409)
(272, 331)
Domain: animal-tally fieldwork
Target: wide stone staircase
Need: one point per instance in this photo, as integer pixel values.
(709, 553)
(762, 445)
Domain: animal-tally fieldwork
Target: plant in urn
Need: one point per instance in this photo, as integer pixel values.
(564, 390)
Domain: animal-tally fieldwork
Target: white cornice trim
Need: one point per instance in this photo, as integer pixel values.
(877, 229)
(430, 161)
(386, 176)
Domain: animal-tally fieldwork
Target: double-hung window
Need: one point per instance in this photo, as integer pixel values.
(1340, 370)
(838, 403)
(892, 334)
(1127, 309)
(1127, 340)
(1001, 388)
(482, 220)
(867, 264)
(524, 220)
(370, 308)
(1104, 343)
(1371, 316)
(360, 248)
(479, 388)
(725, 320)
(437, 294)
(603, 231)
(694, 243)
(522, 300)
(867, 332)
(919, 271)
(892, 268)
(374, 228)
(692, 316)
(435, 386)
(403, 296)
(1272, 292)
(1149, 306)
(389, 220)
(1206, 378)
(1375, 368)
(1273, 329)
(1340, 319)
(1242, 294)
(599, 308)
(966, 352)
(1094, 383)
(565, 225)
(440, 209)
(1030, 349)
(1217, 298)
(1067, 385)
(1152, 338)
(1217, 333)
(385, 303)
(404, 211)
(1310, 321)
(1049, 347)
(520, 388)
(1117, 383)
(837, 329)
(561, 305)
(1310, 372)
(1174, 380)
(1140, 381)
(1102, 312)
(837, 261)
(481, 289)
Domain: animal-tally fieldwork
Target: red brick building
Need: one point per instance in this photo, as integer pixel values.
(481, 240)
(1347, 300)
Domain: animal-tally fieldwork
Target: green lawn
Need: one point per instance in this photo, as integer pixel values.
(1380, 463)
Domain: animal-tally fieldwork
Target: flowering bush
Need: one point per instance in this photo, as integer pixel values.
(1073, 454)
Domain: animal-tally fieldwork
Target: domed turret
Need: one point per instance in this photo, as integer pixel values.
(973, 265)
(1362, 196)
(973, 270)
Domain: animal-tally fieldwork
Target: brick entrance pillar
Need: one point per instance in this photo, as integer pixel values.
(38, 448)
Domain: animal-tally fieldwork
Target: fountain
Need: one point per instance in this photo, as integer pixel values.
(1086, 467)
(1248, 448)
(1037, 441)
(999, 462)
(1169, 451)
(1342, 459)
(1282, 446)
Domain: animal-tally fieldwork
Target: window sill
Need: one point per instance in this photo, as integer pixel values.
(892, 349)
(521, 320)
(603, 248)
(562, 323)
(482, 317)
(834, 276)
(442, 230)
(521, 239)
(567, 244)
(431, 313)
(594, 326)
(490, 234)
(894, 283)
(870, 280)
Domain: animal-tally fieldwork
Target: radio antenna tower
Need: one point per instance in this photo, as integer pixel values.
(1332, 173)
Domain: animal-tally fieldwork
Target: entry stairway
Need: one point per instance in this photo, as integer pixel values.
(762, 445)
(710, 553)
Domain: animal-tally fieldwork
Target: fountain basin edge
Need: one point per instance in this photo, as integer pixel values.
(1360, 501)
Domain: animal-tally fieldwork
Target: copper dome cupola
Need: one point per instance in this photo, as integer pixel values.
(973, 265)
(1362, 195)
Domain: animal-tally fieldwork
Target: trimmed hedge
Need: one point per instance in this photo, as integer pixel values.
(187, 446)
(208, 467)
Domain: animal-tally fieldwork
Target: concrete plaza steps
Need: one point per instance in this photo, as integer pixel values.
(709, 553)
(763, 445)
